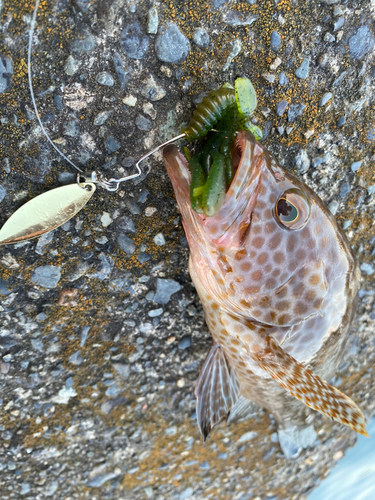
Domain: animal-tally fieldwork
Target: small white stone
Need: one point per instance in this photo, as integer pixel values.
(276, 63)
(150, 211)
(181, 383)
(149, 110)
(159, 239)
(129, 100)
(106, 219)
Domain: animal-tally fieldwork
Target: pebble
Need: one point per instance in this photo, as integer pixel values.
(25, 488)
(186, 493)
(143, 123)
(201, 38)
(235, 50)
(152, 90)
(46, 276)
(269, 77)
(370, 135)
(216, 4)
(171, 45)
(71, 66)
(236, 18)
(303, 71)
(37, 345)
(185, 342)
(86, 44)
(111, 145)
(337, 10)
(339, 23)
(6, 72)
(58, 102)
(149, 211)
(51, 489)
(105, 78)
(102, 117)
(294, 111)
(248, 436)
(153, 21)
(134, 42)
(155, 312)
(361, 42)
(356, 166)
(76, 358)
(143, 257)
(275, 41)
(71, 128)
(145, 328)
(165, 288)
(333, 206)
(122, 369)
(302, 161)
(281, 107)
(171, 431)
(341, 121)
(318, 160)
(83, 5)
(329, 38)
(4, 367)
(84, 333)
(130, 100)
(126, 224)
(367, 268)
(149, 109)
(159, 239)
(339, 79)
(133, 207)
(126, 244)
(344, 190)
(283, 79)
(99, 480)
(3, 193)
(123, 70)
(64, 395)
(325, 98)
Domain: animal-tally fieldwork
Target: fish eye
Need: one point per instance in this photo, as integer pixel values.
(292, 209)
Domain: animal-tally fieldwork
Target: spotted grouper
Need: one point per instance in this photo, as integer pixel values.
(277, 280)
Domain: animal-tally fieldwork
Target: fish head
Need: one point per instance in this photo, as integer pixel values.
(273, 252)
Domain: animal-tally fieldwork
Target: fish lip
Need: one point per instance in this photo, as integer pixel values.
(178, 170)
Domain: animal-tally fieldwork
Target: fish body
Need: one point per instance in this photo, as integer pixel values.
(277, 280)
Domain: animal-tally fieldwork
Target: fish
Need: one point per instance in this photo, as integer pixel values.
(277, 280)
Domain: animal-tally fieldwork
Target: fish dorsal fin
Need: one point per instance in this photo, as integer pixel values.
(243, 408)
(217, 390)
(302, 384)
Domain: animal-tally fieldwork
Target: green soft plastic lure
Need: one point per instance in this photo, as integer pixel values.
(226, 110)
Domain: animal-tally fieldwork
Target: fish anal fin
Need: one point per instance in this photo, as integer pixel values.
(243, 408)
(314, 392)
(217, 390)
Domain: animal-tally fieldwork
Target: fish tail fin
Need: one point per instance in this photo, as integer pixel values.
(217, 390)
(314, 392)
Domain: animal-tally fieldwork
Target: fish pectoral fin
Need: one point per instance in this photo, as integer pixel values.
(302, 384)
(217, 390)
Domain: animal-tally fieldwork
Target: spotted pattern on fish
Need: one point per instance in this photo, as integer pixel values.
(275, 299)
